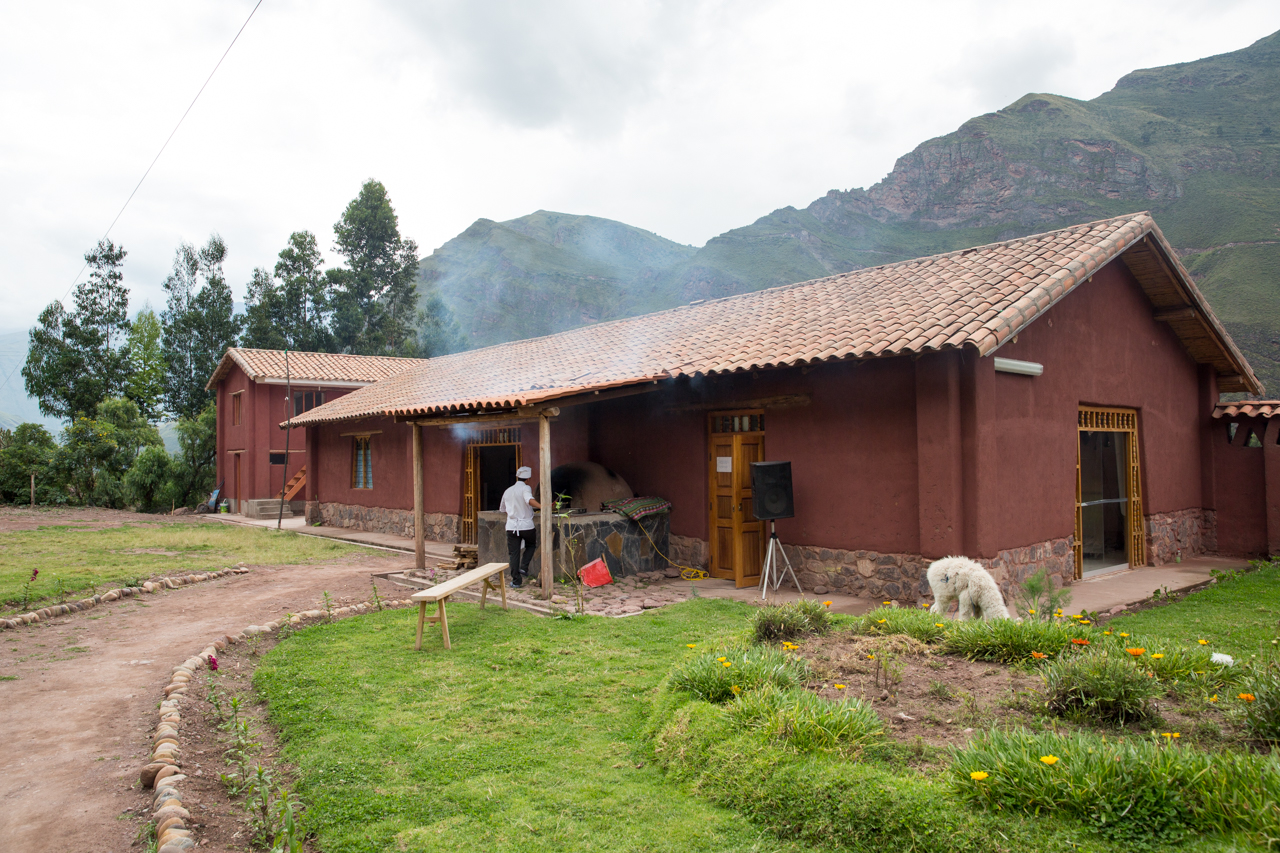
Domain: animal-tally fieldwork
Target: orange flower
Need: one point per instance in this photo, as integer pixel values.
(1137, 653)
(1248, 697)
(1079, 642)
(1039, 655)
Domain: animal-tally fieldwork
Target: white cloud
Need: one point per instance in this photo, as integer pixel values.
(684, 118)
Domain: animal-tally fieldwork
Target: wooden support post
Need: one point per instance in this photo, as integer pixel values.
(422, 617)
(546, 499)
(419, 544)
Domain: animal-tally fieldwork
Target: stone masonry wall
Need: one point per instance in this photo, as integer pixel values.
(440, 526)
(901, 577)
(689, 551)
(1183, 533)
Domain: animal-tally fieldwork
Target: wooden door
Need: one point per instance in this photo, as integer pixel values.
(1122, 421)
(236, 466)
(737, 536)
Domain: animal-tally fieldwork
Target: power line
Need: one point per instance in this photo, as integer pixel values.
(154, 160)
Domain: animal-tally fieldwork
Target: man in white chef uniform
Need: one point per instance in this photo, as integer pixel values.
(518, 504)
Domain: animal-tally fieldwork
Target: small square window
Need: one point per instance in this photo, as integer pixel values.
(305, 401)
(277, 458)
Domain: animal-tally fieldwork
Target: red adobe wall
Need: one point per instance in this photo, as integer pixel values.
(1099, 345)
(265, 406)
(1241, 477)
(852, 450)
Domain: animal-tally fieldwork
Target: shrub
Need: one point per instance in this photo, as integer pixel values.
(1141, 792)
(1100, 687)
(787, 621)
(1262, 715)
(707, 677)
(805, 720)
(1038, 599)
(924, 625)
(1007, 641)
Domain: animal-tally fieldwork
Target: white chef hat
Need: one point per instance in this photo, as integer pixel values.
(524, 472)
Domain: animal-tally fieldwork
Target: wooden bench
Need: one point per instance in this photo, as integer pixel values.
(440, 594)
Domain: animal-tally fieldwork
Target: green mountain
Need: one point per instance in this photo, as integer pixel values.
(547, 272)
(1197, 143)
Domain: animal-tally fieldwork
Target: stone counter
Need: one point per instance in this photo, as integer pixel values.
(626, 549)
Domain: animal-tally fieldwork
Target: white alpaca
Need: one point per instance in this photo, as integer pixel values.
(961, 579)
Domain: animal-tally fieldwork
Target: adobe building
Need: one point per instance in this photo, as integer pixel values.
(255, 389)
(1044, 402)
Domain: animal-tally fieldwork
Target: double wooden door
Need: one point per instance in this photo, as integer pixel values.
(736, 439)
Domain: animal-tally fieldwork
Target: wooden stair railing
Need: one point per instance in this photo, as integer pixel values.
(295, 485)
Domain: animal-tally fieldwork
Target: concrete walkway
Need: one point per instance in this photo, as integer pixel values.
(1098, 594)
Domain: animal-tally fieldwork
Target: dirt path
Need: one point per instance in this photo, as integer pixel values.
(76, 722)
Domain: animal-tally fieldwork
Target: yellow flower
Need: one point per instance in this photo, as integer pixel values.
(720, 660)
(871, 657)
(1049, 759)
(886, 603)
(1124, 635)
(939, 625)
(1106, 633)
(735, 689)
(1157, 655)
(1213, 698)
(1084, 622)
(1203, 642)
(692, 645)
(979, 775)
(838, 686)
(881, 621)
(1032, 612)
(726, 663)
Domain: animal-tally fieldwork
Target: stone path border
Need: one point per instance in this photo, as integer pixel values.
(163, 773)
(114, 594)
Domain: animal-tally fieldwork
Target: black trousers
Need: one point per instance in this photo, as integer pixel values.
(520, 565)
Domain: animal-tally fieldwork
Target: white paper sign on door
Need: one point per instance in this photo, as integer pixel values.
(724, 464)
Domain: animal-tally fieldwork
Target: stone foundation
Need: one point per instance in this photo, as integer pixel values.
(311, 513)
(1183, 533)
(901, 577)
(440, 526)
(689, 551)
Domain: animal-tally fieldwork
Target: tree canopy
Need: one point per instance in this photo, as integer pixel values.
(80, 357)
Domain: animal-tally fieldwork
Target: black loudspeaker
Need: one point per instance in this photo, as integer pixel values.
(771, 490)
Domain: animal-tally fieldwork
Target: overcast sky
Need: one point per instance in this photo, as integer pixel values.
(685, 118)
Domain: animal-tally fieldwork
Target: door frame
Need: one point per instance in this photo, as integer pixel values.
(1113, 419)
(746, 423)
(498, 436)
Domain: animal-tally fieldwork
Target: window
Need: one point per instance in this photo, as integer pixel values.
(237, 411)
(277, 458)
(305, 401)
(361, 463)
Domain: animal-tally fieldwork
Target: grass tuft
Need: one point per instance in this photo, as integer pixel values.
(806, 721)
(921, 624)
(707, 677)
(1102, 687)
(773, 623)
(1007, 641)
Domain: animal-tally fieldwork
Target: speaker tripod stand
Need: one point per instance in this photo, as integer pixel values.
(772, 574)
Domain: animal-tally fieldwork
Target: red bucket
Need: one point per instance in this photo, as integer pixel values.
(595, 573)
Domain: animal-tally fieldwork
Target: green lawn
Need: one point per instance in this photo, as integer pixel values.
(73, 560)
(527, 736)
(1240, 616)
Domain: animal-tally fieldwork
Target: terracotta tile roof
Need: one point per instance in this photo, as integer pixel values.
(1248, 409)
(317, 367)
(977, 297)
